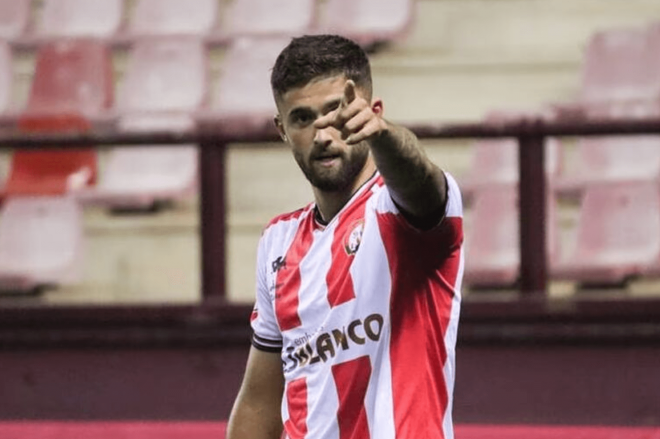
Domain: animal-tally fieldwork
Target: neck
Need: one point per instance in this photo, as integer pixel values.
(330, 203)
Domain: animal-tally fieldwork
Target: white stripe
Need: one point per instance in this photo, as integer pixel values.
(450, 346)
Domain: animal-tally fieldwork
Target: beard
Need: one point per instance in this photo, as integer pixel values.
(339, 177)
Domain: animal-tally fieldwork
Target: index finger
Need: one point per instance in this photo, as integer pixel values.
(349, 92)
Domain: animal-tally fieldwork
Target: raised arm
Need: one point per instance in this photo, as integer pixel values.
(416, 185)
(256, 412)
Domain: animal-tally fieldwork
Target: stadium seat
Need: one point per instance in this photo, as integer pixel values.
(51, 172)
(6, 77)
(173, 17)
(14, 19)
(368, 21)
(621, 64)
(269, 18)
(81, 18)
(617, 235)
(72, 76)
(165, 82)
(40, 242)
(244, 97)
(615, 158)
(72, 83)
(492, 244)
(495, 161)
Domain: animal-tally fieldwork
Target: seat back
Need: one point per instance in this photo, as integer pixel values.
(14, 18)
(244, 94)
(493, 244)
(268, 17)
(40, 240)
(621, 64)
(81, 18)
(368, 21)
(174, 17)
(73, 76)
(619, 223)
(165, 75)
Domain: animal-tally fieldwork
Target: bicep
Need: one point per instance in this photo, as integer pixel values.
(256, 412)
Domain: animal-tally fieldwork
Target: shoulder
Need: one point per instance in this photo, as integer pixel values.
(284, 225)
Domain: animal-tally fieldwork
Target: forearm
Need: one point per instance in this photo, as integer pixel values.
(415, 183)
(250, 421)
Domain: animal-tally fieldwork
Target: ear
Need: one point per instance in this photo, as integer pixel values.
(377, 106)
(280, 127)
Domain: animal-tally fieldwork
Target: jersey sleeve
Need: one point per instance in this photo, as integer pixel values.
(266, 335)
(450, 228)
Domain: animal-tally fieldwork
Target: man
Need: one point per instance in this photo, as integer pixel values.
(357, 293)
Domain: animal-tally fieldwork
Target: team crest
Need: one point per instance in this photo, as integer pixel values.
(353, 238)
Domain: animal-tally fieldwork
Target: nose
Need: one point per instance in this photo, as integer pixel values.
(322, 137)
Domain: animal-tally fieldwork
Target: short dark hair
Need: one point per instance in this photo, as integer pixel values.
(316, 56)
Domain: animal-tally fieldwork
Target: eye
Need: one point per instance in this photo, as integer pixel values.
(302, 118)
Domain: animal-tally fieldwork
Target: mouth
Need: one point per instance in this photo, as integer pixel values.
(327, 159)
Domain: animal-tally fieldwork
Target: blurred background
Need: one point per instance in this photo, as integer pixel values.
(103, 308)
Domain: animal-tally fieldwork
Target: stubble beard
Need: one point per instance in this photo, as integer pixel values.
(338, 178)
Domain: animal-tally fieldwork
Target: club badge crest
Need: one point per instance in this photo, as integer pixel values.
(353, 238)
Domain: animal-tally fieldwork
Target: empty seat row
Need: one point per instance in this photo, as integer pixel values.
(616, 238)
(367, 21)
(620, 78)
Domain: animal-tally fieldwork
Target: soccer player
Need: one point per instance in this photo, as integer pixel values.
(358, 293)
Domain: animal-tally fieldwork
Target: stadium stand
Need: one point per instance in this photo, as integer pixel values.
(492, 238)
(243, 96)
(617, 237)
(14, 19)
(41, 241)
(267, 18)
(165, 82)
(80, 18)
(173, 17)
(368, 21)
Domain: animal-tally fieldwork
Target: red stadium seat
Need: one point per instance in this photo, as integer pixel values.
(173, 17)
(40, 242)
(492, 246)
(166, 81)
(51, 172)
(621, 64)
(244, 96)
(368, 21)
(14, 18)
(81, 18)
(6, 77)
(72, 81)
(73, 76)
(268, 18)
(617, 236)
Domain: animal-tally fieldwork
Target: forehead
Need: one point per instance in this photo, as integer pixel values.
(314, 93)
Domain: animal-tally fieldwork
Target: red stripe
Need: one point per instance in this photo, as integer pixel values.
(424, 267)
(352, 380)
(287, 284)
(338, 278)
(296, 399)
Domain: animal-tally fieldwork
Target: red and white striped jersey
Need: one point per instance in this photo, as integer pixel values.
(364, 311)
